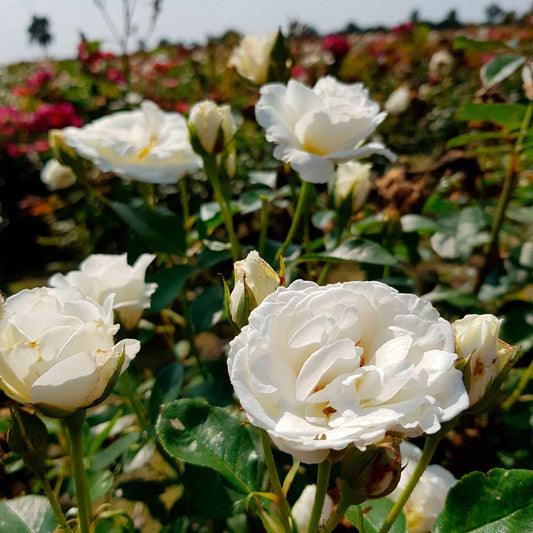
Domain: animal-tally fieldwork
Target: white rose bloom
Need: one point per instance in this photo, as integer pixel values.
(147, 144)
(440, 62)
(320, 368)
(57, 350)
(301, 510)
(316, 128)
(477, 336)
(261, 279)
(352, 178)
(398, 101)
(429, 496)
(209, 121)
(101, 275)
(252, 57)
(57, 176)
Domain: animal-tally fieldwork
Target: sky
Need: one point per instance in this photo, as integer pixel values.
(193, 20)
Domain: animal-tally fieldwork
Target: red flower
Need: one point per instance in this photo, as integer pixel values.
(338, 45)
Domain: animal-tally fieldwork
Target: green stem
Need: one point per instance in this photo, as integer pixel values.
(430, 446)
(212, 173)
(74, 426)
(322, 482)
(274, 480)
(38, 468)
(324, 274)
(184, 199)
(301, 207)
(58, 513)
(338, 515)
(511, 177)
(189, 329)
(524, 380)
(142, 418)
(264, 226)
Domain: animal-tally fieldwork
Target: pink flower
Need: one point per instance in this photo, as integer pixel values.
(115, 76)
(337, 44)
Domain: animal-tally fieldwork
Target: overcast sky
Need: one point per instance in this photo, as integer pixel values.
(192, 20)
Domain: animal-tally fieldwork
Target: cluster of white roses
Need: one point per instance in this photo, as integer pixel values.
(57, 348)
(320, 368)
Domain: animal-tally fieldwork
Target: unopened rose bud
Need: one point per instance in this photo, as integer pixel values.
(483, 356)
(372, 473)
(255, 279)
(352, 180)
(398, 101)
(57, 176)
(212, 126)
(527, 79)
(28, 437)
(65, 154)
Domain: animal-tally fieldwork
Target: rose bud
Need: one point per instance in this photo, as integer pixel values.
(211, 127)
(372, 473)
(483, 357)
(352, 180)
(57, 176)
(255, 279)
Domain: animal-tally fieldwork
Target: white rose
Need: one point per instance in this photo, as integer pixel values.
(398, 101)
(147, 144)
(57, 176)
(212, 122)
(320, 368)
(352, 178)
(101, 275)
(477, 336)
(252, 57)
(429, 496)
(440, 62)
(260, 278)
(301, 510)
(527, 80)
(57, 350)
(316, 128)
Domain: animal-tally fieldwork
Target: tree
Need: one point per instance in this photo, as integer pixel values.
(494, 13)
(39, 31)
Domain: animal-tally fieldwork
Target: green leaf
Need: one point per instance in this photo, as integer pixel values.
(170, 282)
(159, 229)
(500, 68)
(510, 115)
(100, 483)
(205, 308)
(27, 514)
(500, 502)
(109, 455)
(358, 250)
(418, 224)
(464, 43)
(166, 388)
(213, 437)
(461, 140)
(371, 515)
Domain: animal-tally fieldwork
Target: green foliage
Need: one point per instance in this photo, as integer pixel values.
(27, 514)
(212, 437)
(370, 515)
(500, 501)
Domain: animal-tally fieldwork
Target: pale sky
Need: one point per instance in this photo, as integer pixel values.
(193, 20)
